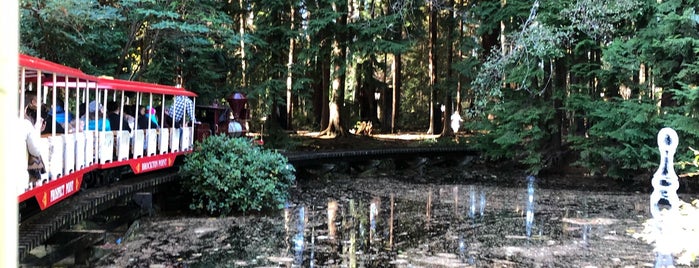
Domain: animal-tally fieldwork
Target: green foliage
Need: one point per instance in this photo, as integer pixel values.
(683, 119)
(516, 131)
(71, 32)
(601, 19)
(547, 68)
(621, 139)
(670, 41)
(521, 65)
(229, 174)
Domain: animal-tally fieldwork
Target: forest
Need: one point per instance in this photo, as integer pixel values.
(540, 84)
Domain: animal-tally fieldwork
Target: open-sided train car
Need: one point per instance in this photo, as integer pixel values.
(78, 145)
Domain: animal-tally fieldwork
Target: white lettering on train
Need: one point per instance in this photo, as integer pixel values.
(70, 186)
(57, 193)
(154, 164)
(62, 190)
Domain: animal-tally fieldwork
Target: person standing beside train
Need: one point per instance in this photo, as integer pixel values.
(182, 106)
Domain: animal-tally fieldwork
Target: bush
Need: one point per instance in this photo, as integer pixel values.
(621, 140)
(227, 174)
(519, 131)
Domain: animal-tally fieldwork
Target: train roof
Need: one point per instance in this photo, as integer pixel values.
(101, 82)
(126, 85)
(118, 84)
(52, 67)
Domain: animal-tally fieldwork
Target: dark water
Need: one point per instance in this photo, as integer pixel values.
(344, 221)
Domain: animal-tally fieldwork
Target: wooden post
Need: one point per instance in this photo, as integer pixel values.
(9, 140)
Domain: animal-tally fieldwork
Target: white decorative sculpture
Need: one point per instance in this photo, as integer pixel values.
(665, 181)
(664, 202)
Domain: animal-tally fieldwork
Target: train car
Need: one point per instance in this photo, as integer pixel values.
(96, 128)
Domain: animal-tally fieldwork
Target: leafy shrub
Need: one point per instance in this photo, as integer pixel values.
(229, 174)
(517, 131)
(621, 138)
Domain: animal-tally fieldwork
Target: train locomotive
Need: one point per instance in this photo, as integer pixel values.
(97, 129)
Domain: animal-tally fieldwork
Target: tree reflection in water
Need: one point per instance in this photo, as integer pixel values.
(373, 233)
(391, 221)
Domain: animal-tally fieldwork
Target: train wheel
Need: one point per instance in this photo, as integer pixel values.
(89, 180)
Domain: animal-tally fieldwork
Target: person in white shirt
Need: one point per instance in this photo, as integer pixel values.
(456, 121)
(29, 134)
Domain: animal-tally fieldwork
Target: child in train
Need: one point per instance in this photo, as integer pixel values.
(63, 117)
(147, 118)
(94, 118)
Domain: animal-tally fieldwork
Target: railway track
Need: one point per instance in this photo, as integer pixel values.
(37, 229)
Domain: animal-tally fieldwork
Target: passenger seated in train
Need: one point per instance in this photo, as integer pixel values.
(82, 110)
(95, 123)
(48, 122)
(146, 118)
(30, 113)
(61, 114)
(63, 117)
(167, 120)
(114, 117)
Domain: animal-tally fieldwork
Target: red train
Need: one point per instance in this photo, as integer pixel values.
(98, 129)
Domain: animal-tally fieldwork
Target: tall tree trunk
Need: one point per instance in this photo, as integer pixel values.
(325, 86)
(448, 102)
(397, 69)
(359, 93)
(385, 96)
(289, 76)
(459, 55)
(559, 85)
(432, 21)
(397, 84)
(243, 62)
(336, 122)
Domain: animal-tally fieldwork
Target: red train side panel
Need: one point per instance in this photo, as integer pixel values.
(67, 179)
(54, 191)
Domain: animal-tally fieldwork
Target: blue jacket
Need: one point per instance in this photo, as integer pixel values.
(97, 125)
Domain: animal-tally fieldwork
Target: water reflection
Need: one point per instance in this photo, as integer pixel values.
(529, 221)
(428, 210)
(472, 199)
(332, 212)
(482, 203)
(299, 238)
(402, 225)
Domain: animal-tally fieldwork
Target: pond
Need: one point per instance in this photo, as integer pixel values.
(453, 219)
